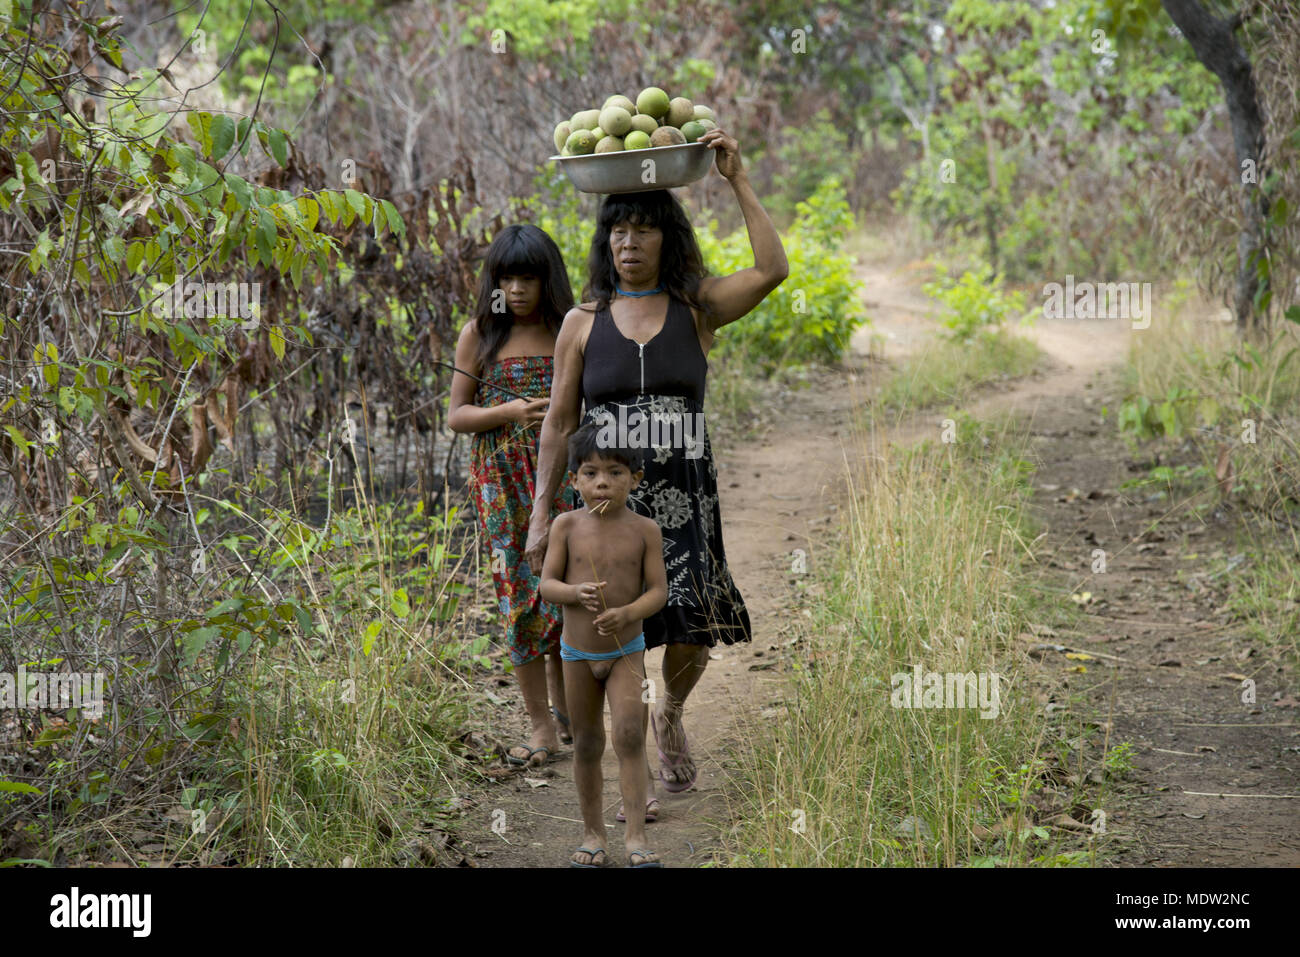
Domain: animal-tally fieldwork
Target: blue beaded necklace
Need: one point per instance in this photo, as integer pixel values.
(638, 295)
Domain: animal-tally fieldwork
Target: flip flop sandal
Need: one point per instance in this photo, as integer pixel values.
(643, 854)
(566, 736)
(674, 787)
(528, 761)
(588, 851)
(650, 816)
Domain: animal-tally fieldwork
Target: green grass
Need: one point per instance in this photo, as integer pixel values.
(1267, 594)
(949, 371)
(928, 569)
(349, 742)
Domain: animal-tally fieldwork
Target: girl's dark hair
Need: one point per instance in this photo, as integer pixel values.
(584, 444)
(520, 250)
(681, 267)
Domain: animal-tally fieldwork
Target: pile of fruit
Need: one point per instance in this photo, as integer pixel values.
(653, 120)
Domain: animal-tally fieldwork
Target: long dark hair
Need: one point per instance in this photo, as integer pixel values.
(520, 250)
(681, 266)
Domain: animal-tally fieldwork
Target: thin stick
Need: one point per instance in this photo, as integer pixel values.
(596, 580)
(477, 379)
(599, 510)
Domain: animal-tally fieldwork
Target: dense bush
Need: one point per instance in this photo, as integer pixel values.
(975, 303)
(812, 315)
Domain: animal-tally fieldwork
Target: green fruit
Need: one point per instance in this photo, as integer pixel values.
(610, 144)
(615, 120)
(646, 124)
(636, 140)
(702, 112)
(707, 124)
(581, 142)
(618, 99)
(680, 112)
(693, 130)
(667, 136)
(585, 120)
(561, 134)
(652, 101)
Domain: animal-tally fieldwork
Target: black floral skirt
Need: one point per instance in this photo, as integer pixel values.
(680, 492)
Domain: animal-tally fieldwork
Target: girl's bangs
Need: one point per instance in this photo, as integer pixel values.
(518, 262)
(520, 255)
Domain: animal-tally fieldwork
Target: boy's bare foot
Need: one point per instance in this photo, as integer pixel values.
(646, 859)
(678, 770)
(587, 857)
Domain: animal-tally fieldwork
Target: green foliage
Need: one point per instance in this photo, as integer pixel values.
(1172, 416)
(266, 57)
(537, 28)
(975, 303)
(568, 217)
(1002, 117)
(807, 155)
(812, 315)
(1119, 759)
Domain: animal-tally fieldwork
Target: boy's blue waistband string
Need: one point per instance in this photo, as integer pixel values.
(570, 653)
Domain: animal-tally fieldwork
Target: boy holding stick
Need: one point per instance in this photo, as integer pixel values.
(604, 564)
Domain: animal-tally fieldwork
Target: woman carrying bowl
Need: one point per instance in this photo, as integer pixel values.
(638, 343)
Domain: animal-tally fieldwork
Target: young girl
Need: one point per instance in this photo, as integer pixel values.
(524, 294)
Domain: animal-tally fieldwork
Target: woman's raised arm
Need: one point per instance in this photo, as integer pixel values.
(731, 297)
(561, 422)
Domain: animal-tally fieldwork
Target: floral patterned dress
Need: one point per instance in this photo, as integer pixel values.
(503, 472)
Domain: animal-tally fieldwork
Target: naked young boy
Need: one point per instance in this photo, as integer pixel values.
(604, 564)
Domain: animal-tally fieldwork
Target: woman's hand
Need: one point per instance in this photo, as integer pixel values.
(526, 412)
(728, 152)
(589, 596)
(535, 547)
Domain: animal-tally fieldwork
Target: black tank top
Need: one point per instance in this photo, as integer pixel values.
(672, 363)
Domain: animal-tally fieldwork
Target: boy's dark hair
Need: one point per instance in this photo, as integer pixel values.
(584, 445)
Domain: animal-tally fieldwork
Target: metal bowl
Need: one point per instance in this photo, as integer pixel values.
(620, 172)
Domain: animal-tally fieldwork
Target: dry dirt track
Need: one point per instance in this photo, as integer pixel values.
(780, 490)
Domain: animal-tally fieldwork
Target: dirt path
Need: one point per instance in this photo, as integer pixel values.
(1170, 663)
(777, 493)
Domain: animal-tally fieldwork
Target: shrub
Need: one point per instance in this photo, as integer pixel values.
(812, 315)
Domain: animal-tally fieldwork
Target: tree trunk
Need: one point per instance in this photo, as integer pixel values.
(1216, 47)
